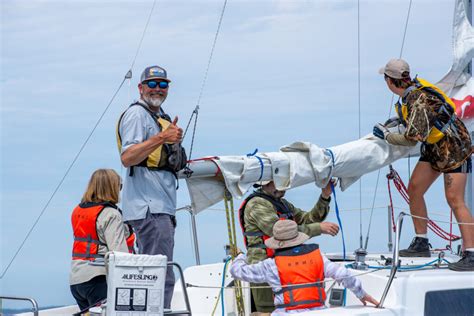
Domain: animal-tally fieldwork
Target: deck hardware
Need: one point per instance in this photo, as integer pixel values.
(359, 263)
(396, 261)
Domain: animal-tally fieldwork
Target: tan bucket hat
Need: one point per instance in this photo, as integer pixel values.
(285, 234)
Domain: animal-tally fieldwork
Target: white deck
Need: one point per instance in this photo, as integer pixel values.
(406, 295)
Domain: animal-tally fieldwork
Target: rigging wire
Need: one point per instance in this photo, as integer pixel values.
(62, 179)
(128, 76)
(203, 84)
(143, 35)
(389, 114)
(358, 98)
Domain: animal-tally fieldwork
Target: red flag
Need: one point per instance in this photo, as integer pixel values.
(464, 107)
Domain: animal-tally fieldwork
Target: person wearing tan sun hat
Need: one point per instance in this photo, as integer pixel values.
(296, 273)
(261, 210)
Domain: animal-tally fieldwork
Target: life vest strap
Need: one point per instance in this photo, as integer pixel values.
(253, 234)
(297, 286)
(87, 255)
(90, 240)
(442, 127)
(307, 302)
(260, 245)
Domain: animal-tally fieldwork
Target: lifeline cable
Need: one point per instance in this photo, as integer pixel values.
(374, 269)
(128, 75)
(288, 285)
(389, 114)
(395, 177)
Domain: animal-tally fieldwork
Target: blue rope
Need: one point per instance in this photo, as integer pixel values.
(409, 267)
(223, 283)
(254, 154)
(329, 151)
(402, 268)
(339, 221)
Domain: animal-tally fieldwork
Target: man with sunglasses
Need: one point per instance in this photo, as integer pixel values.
(147, 140)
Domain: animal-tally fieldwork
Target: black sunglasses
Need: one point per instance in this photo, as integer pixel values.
(152, 84)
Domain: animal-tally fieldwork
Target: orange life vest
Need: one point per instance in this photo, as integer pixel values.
(84, 226)
(296, 267)
(280, 207)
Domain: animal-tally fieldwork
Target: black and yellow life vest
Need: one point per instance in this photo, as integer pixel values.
(169, 156)
(449, 108)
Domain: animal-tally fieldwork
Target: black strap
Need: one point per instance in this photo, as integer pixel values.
(259, 245)
(90, 240)
(302, 250)
(297, 286)
(104, 203)
(280, 205)
(253, 234)
(297, 303)
(87, 255)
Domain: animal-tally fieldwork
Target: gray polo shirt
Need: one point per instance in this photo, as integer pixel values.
(146, 189)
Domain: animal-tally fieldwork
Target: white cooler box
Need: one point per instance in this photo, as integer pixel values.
(136, 284)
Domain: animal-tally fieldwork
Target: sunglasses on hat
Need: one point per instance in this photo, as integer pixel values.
(152, 84)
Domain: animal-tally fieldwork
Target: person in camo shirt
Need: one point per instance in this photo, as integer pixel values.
(258, 214)
(430, 118)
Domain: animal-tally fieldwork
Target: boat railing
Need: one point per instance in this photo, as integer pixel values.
(189, 209)
(31, 300)
(185, 292)
(395, 262)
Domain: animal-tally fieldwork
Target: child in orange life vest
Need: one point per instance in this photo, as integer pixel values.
(98, 228)
(300, 265)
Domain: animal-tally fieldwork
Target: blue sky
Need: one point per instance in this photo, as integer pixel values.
(282, 71)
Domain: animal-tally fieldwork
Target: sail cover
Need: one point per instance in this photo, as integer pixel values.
(294, 165)
(301, 163)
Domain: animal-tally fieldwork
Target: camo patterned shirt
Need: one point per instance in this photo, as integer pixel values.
(452, 150)
(260, 216)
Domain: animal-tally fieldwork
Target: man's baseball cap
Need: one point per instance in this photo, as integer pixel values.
(154, 72)
(396, 69)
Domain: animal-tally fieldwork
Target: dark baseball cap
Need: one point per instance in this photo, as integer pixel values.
(154, 72)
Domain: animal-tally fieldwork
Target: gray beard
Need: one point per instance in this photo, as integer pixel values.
(155, 102)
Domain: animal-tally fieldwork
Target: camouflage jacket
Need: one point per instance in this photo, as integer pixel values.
(452, 150)
(260, 216)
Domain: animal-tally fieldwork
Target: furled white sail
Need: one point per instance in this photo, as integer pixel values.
(294, 165)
